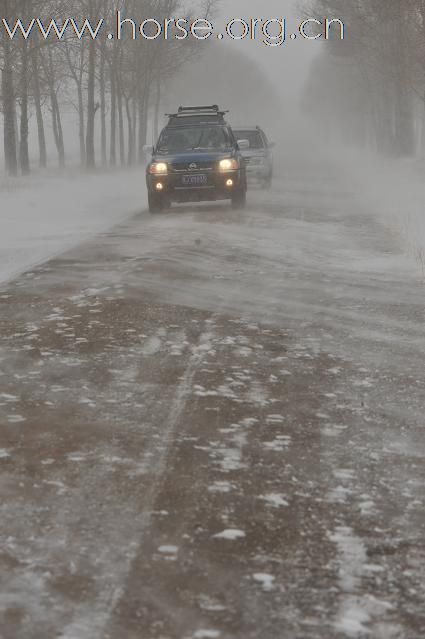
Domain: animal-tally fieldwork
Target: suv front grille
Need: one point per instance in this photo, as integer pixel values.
(187, 166)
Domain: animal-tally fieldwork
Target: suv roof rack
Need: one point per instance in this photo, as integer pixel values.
(197, 115)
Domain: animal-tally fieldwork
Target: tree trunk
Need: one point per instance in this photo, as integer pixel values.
(134, 120)
(120, 122)
(15, 115)
(102, 91)
(57, 126)
(8, 95)
(24, 161)
(56, 116)
(42, 150)
(143, 120)
(81, 125)
(423, 128)
(157, 107)
(60, 134)
(130, 125)
(113, 140)
(404, 124)
(91, 108)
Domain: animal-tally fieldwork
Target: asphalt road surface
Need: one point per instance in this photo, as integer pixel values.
(212, 427)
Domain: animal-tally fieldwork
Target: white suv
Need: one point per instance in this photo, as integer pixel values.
(258, 157)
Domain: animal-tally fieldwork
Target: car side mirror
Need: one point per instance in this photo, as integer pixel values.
(243, 144)
(148, 149)
(272, 145)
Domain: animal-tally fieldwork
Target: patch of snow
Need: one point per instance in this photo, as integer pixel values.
(151, 346)
(8, 398)
(249, 421)
(206, 634)
(344, 474)
(221, 487)
(356, 611)
(394, 190)
(34, 227)
(274, 419)
(168, 550)
(230, 534)
(278, 445)
(76, 457)
(16, 419)
(208, 603)
(265, 579)
(274, 499)
(338, 495)
(352, 620)
(367, 507)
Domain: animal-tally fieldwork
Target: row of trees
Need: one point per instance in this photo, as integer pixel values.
(370, 88)
(113, 85)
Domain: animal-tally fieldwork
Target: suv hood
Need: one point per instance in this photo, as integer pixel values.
(192, 156)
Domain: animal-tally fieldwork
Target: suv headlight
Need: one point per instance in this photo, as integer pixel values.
(158, 168)
(229, 164)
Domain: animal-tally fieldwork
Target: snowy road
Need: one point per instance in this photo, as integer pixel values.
(212, 427)
(41, 216)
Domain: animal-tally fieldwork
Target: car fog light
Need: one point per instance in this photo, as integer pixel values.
(159, 186)
(229, 183)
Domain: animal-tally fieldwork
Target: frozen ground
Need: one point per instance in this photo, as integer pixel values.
(43, 215)
(212, 426)
(395, 190)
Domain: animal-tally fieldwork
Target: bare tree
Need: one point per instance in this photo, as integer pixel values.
(380, 61)
(48, 73)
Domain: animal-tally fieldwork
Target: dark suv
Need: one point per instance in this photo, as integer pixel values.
(197, 158)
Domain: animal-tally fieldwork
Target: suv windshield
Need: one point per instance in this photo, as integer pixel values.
(196, 138)
(254, 138)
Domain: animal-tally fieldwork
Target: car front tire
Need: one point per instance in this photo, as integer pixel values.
(239, 200)
(156, 203)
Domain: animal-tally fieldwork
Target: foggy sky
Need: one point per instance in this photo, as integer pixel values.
(286, 65)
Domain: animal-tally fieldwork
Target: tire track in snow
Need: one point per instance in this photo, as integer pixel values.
(90, 620)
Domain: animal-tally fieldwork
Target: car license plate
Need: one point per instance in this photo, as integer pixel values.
(194, 180)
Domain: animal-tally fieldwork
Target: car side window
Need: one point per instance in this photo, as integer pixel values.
(256, 140)
(231, 137)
